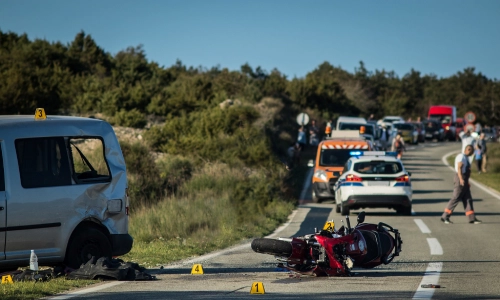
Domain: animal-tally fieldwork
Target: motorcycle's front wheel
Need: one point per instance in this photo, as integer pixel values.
(272, 247)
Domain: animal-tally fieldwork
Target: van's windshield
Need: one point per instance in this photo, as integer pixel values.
(444, 119)
(334, 157)
(357, 126)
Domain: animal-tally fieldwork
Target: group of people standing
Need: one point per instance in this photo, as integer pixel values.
(295, 148)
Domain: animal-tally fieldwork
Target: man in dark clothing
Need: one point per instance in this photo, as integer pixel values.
(461, 189)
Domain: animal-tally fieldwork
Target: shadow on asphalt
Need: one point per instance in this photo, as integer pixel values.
(446, 261)
(431, 191)
(428, 201)
(427, 179)
(244, 293)
(423, 165)
(419, 158)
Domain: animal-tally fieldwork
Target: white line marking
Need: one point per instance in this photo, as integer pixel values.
(421, 225)
(86, 291)
(487, 189)
(413, 213)
(435, 246)
(431, 276)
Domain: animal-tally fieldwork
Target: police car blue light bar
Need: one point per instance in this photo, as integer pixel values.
(373, 153)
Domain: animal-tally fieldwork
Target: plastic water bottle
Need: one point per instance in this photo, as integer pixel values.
(33, 261)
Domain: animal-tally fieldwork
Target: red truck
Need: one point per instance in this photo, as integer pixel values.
(447, 116)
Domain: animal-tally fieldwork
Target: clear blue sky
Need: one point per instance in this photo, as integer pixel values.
(431, 36)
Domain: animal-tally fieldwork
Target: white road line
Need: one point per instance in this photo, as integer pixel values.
(86, 291)
(413, 213)
(431, 276)
(421, 225)
(435, 246)
(477, 184)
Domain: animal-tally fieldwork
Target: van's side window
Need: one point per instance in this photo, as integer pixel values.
(43, 162)
(88, 161)
(2, 174)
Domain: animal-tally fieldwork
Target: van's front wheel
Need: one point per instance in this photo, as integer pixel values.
(85, 243)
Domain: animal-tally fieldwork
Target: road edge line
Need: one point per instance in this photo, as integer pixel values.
(85, 291)
(483, 187)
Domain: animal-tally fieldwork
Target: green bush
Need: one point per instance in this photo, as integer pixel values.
(146, 185)
(132, 118)
(175, 171)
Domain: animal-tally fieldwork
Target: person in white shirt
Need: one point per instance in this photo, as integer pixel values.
(467, 139)
(461, 188)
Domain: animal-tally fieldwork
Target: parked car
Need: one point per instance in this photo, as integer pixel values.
(490, 134)
(391, 119)
(433, 130)
(407, 131)
(419, 126)
(63, 191)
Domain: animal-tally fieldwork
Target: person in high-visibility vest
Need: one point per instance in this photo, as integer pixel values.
(328, 129)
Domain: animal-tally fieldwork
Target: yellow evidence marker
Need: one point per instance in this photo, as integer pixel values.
(329, 226)
(197, 269)
(7, 279)
(40, 114)
(257, 288)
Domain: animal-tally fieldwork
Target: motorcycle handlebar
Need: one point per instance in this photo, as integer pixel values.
(348, 224)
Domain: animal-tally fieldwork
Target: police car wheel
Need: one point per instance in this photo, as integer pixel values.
(315, 198)
(405, 211)
(344, 210)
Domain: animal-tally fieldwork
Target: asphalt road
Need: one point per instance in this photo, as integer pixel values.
(464, 259)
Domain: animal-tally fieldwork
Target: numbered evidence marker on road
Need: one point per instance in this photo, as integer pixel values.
(257, 288)
(197, 269)
(7, 279)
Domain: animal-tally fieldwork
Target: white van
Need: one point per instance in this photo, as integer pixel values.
(354, 120)
(63, 191)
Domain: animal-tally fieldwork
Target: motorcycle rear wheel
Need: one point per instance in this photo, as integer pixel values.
(272, 247)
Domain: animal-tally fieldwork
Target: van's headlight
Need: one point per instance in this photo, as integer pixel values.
(320, 174)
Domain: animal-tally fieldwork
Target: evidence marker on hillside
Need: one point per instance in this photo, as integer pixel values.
(257, 288)
(197, 269)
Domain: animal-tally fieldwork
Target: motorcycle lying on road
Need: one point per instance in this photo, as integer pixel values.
(332, 252)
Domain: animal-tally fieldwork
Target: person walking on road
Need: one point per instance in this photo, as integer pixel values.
(398, 145)
(478, 157)
(461, 189)
(384, 138)
(481, 142)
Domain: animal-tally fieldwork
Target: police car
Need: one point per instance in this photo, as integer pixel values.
(373, 179)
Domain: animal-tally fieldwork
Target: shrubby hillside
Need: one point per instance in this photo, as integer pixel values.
(208, 169)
